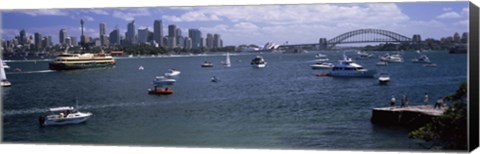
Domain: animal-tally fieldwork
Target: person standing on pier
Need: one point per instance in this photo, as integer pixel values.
(392, 101)
(439, 103)
(425, 99)
(404, 101)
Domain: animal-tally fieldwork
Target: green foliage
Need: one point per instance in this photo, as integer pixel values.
(450, 129)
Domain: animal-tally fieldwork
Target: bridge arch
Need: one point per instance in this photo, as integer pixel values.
(390, 37)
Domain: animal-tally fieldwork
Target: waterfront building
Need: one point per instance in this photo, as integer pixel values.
(22, 40)
(74, 41)
(203, 43)
(103, 37)
(217, 41)
(416, 38)
(158, 32)
(188, 43)
(172, 31)
(196, 37)
(209, 41)
(68, 41)
(172, 42)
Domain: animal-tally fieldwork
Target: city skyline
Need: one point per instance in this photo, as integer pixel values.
(246, 24)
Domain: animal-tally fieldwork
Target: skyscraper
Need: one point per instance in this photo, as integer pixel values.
(115, 37)
(196, 37)
(158, 32)
(38, 41)
(143, 35)
(61, 36)
(23, 37)
(131, 34)
(172, 31)
(217, 41)
(103, 37)
(188, 43)
(209, 41)
(102, 29)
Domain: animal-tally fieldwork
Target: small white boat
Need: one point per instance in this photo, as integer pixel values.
(363, 54)
(382, 63)
(5, 65)
(161, 80)
(172, 72)
(63, 116)
(322, 65)
(321, 57)
(3, 77)
(384, 78)
(258, 62)
(396, 58)
(207, 64)
(421, 59)
(214, 79)
(140, 68)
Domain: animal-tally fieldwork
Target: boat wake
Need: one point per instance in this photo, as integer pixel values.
(31, 72)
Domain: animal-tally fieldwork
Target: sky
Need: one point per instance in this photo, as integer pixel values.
(257, 24)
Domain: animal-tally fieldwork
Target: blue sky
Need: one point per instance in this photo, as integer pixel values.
(253, 24)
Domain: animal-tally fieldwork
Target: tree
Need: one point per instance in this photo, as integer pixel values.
(450, 129)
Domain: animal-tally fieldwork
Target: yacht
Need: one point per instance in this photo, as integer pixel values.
(160, 91)
(63, 116)
(347, 68)
(207, 64)
(172, 72)
(363, 54)
(70, 61)
(396, 58)
(258, 62)
(322, 65)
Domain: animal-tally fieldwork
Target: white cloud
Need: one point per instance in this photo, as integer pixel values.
(130, 14)
(99, 11)
(465, 10)
(88, 18)
(462, 23)
(449, 15)
(193, 16)
(49, 12)
(446, 9)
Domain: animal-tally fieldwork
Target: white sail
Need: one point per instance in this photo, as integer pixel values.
(2, 71)
(227, 61)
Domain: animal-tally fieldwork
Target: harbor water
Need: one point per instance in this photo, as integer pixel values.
(282, 106)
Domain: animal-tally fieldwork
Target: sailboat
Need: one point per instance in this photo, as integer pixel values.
(227, 61)
(3, 77)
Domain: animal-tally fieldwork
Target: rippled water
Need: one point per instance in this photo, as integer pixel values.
(281, 106)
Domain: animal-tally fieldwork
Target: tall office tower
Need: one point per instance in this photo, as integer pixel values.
(23, 37)
(38, 41)
(115, 37)
(217, 41)
(172, 31)
(61, 36)
(178, 33)
(103, 37)
(50, 43)
(68, 41)
(143, 35)
(82, 37)
(131, 35)
(196, 37)
(158, 32)
(188, 43)
(416, 38)
(464, 38)
(203, 42)
(45, 42)
(172, 42)
(209, 41)
(74, 41)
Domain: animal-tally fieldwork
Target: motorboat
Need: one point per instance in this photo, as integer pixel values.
(63, 116)
(162, 80)
(207, 64)
(384, 78)
(258, 62)
(321, 57)
(322, 65)
(422, 59)
(140, 68)
(3, 77)
(363, 54)
(382, 63)
(5, 65)
(396, 58)
(172, 72)
(160, 91)
(347, 68)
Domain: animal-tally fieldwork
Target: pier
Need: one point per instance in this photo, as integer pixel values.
(410, 117)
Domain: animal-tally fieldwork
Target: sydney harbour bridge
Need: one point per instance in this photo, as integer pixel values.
(357, 36)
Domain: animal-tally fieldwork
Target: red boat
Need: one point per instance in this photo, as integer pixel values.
(160, 91)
